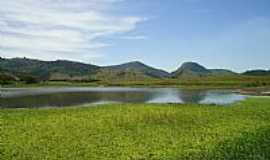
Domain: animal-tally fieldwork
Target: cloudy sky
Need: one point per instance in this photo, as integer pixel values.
(233, 34)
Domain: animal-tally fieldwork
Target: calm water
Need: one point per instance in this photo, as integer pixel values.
(61, 97)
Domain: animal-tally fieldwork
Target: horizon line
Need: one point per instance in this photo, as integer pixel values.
(134, 61)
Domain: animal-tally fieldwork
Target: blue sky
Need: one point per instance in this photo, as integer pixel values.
(232, 34)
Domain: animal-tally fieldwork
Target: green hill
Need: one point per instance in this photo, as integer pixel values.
(257, 73)
(62, 70)
(222, 72)
(189, 70)
(31, 71)
(195, 70)
(139, 67)
(47, 70)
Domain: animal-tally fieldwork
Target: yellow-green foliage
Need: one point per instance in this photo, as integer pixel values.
(209, 81)
(139, 132)
(137, 80)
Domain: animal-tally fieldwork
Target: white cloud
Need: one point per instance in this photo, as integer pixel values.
(59, 28)
(137, 37)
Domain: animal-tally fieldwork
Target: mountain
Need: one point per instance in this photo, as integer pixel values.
(222, 72)
(31, 70)
(24, 68)
(195, 70)
(257, 73)
(47, 70)
(191, 69)
(139, 68)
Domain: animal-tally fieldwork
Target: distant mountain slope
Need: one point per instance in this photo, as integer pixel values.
(139, 67)
(46, 69)
(257, 73)
(120, 75)
(68, 70)
(190, 69)
(195, 70)
(222, 72)
(30, 70)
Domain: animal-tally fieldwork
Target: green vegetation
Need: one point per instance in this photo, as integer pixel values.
(47, 70)
(6, 79)
(23, 72)
(257, 73)
(240, 131)
(195, 70)
(139, 67)
(199, 82)
(202, 82)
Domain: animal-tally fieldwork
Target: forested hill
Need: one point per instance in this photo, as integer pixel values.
(24, 69)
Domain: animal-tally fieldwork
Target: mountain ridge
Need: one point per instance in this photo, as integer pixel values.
(195, 70)
(257, 72)
(140, 67)
(19, 68)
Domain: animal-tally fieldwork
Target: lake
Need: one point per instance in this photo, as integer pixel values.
(74, 96)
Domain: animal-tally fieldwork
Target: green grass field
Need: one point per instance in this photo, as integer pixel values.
(239, 131)
(201, 82)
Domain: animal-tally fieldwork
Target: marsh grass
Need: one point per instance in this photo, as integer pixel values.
(201, 82)
(139, 131)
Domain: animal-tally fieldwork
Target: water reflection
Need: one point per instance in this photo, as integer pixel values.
(221, 97)
(75, 98)
(61, 97)
(165, 95)
(192, 96)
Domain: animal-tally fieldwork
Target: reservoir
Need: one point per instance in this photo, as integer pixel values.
(82, 96)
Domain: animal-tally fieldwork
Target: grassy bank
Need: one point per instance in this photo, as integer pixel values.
(201, 82)
(150, 132)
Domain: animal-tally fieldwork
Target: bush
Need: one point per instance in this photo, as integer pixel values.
(29, 79)
(6, 79)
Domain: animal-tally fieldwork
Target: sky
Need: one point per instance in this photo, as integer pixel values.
(230, 34)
